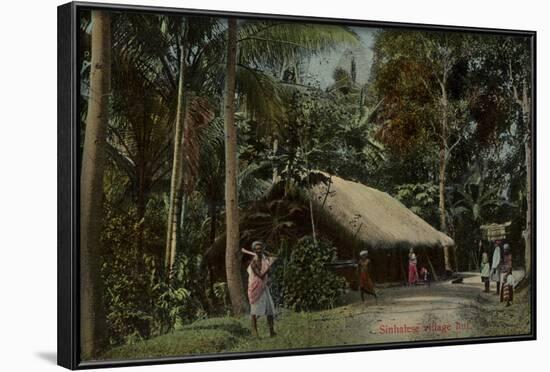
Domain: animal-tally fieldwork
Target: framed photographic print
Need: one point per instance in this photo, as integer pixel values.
(236, 185)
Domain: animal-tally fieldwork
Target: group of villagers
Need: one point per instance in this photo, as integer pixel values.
(499, 271)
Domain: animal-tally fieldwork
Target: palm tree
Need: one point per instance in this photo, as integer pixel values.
(260, 44)
(147, 51)
(189, 48)
(232, 256)
(93, 331)
(138, 140)
(192, 111)
(148, 99)
(176, 181)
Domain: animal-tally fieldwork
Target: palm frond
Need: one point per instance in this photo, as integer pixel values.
(250, 186)
(262, 93)
(262, 42)
(199, 113)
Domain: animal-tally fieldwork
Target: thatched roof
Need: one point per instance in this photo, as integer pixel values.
(376, 218)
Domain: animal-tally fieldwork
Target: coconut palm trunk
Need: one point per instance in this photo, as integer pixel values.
(93, 322)
(443, 158)
(232, 252)
(176, 182)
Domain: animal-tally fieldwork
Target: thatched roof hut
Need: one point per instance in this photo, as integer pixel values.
(354, 217)
(375, 217)
(374, 220)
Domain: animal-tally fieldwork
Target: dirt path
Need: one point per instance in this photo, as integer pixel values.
(442, 310)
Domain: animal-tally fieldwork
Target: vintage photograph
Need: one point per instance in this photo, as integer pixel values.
(252, 184)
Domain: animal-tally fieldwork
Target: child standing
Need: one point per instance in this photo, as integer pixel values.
(485, 271)
(366, 285)
(424, 275)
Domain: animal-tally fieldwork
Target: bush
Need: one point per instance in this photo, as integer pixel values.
(140, 304)
(303, 282)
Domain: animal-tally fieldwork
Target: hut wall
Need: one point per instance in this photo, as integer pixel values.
(388, 265)
(391, 265)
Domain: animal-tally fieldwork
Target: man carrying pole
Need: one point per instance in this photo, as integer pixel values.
(261, 302)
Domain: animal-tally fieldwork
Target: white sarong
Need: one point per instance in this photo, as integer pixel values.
(264, 305)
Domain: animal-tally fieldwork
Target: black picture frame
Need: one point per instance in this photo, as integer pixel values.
(68, 188)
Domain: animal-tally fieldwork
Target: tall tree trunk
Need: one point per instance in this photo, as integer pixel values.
(443, 174)
(232, 252)
(442, 206)
(176, 182)
(526, 111)
(93, 322)
(178, 205)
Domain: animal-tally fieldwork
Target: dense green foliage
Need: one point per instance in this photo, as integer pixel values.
(386, 131)
(421, 198)
(303, 281)
(450, 107)
(140, 302)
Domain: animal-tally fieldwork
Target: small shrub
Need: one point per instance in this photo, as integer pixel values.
(303, 282)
